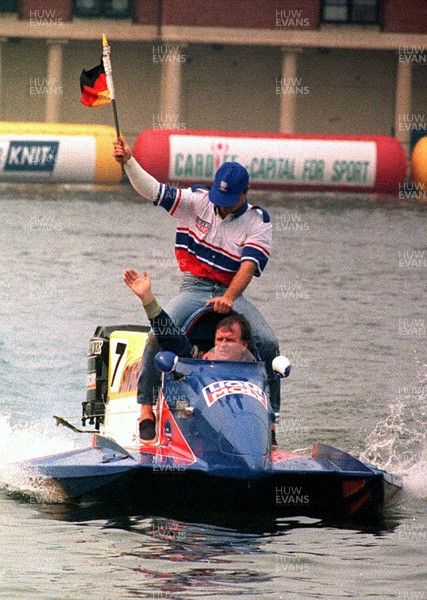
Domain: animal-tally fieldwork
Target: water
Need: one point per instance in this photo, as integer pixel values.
(344, 291)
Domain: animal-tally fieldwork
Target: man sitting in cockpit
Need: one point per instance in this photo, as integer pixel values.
(232, 334)
(233, 339)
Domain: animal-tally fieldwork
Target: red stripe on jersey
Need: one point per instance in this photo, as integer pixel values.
(257, 246)
(190, 262)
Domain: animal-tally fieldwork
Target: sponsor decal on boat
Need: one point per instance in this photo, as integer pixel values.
(220, 389)
(129, 379)
(95, 346)
(167, 430)
(91, 381)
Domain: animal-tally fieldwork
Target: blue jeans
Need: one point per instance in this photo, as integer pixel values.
(193, 295)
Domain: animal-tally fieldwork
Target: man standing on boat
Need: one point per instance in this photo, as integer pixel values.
(221, 243)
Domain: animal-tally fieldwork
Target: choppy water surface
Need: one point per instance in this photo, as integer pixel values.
(344, 290)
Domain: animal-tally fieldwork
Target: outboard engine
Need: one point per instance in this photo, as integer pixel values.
(93, 409)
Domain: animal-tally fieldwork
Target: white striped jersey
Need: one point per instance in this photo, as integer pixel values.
(212, 247)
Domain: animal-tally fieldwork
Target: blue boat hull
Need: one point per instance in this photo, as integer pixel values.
(335, 487)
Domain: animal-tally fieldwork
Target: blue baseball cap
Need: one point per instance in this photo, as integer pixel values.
(230, 181)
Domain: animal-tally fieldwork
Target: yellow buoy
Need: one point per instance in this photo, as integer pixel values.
(58, 152)
(419, 168)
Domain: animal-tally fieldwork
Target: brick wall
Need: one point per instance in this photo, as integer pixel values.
(397, 16)
(404, 16)
(263, 14)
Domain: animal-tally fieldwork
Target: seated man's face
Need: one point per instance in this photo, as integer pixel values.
(228, 343)
(229, 334)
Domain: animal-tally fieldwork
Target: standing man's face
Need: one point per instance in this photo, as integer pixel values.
(223, 211)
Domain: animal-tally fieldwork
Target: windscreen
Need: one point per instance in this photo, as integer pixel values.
(229, 351)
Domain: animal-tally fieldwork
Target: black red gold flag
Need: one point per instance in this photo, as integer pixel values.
(93, 84)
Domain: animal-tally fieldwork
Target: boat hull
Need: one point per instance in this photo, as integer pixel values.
(294, 485)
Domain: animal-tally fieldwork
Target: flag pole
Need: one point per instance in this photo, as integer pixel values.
(109, 76)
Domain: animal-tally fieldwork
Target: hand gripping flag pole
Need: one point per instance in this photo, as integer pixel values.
(97, 86)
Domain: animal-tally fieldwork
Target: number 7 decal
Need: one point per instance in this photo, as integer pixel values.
(117, 357)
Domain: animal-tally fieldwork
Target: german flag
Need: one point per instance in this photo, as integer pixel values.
(93, 84)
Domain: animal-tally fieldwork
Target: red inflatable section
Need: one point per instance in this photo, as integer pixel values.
(300, 162)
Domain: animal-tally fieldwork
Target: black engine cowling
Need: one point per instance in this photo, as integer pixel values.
(93, 408)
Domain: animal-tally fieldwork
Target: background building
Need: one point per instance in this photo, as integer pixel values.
(312, 66)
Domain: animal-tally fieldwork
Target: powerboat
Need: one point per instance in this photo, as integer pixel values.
(213, 444)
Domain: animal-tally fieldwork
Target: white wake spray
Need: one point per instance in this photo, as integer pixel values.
(23, 442)
(398, 442)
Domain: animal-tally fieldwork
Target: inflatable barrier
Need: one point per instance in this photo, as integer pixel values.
(419, 169)
(276, 161)
(59, 153)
